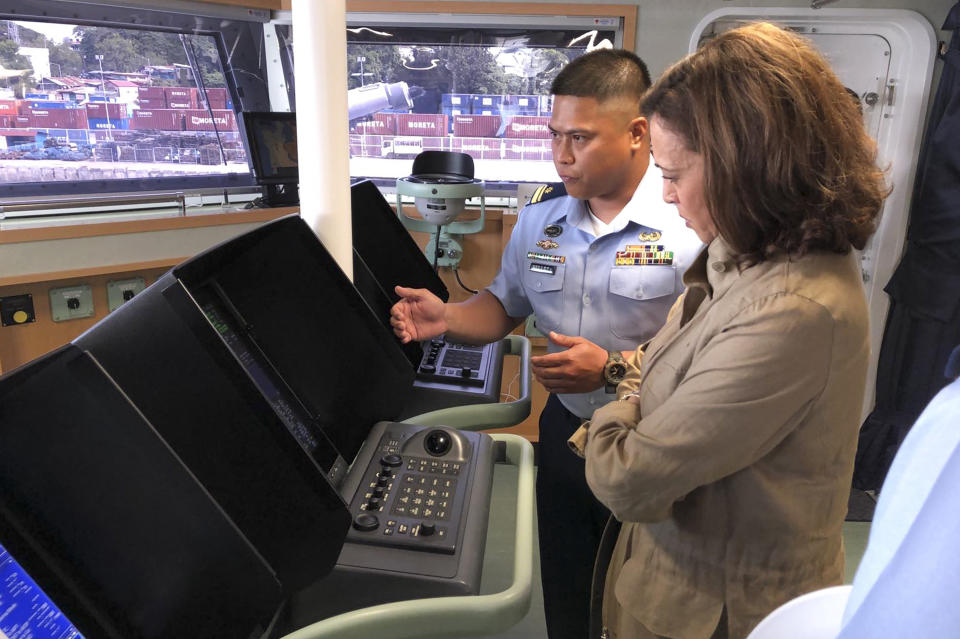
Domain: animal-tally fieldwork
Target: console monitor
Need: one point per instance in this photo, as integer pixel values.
(109, 523)
(272, 138)
(386, 246)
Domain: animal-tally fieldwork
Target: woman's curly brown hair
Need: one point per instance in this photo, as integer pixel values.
(788, 165)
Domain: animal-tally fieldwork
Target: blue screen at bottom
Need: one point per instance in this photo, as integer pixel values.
(25, 611)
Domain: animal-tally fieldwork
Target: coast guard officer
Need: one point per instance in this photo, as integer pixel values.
(599, 260)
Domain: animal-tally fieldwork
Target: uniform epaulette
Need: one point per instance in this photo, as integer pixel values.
(548, 192)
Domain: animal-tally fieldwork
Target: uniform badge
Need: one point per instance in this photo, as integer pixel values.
(547, 245)
(649, 236)
(546, 257)
(644, 255)
(553, 230)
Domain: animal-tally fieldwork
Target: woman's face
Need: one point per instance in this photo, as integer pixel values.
(682, 179)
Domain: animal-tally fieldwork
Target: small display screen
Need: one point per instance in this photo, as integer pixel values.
(25, 610)
(273, 142)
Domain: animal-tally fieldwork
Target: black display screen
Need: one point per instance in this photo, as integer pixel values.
(286, 406)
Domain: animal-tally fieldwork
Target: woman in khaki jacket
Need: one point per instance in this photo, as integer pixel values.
(730, 453)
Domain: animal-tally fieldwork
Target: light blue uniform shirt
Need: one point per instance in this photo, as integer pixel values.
(908, 583)
(577, 288)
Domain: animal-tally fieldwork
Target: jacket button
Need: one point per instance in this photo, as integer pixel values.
(719, 267)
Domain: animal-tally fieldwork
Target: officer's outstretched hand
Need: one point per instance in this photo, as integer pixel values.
(419, 315)
(578, 369)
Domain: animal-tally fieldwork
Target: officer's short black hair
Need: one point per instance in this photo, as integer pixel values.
(603, 74)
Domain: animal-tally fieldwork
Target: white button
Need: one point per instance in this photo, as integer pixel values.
(719, 267)
(539, 284)
(593, 400)
(639, 291)
(586, 300)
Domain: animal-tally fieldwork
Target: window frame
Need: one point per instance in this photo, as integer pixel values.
(238, 36)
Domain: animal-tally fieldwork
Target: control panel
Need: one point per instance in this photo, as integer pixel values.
(414, 493)
(465, 364)
(71, 302)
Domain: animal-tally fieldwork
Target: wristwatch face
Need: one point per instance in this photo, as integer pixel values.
(615, 372)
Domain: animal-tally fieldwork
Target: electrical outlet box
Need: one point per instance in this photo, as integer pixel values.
(17, 309)
(71, 302)
(120, 291)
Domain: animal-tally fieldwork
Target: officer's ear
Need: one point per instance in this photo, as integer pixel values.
(639, 128)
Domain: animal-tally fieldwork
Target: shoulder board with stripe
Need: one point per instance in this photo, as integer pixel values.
(548, 192)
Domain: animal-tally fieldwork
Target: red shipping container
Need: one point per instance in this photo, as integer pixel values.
(369, 145)
(381, 124)
(157, 120)
(179, 103)
(518, 149)
(216, 103)
(423, 124)
(478, 148)
(5, 121)
(201, 120)
(21, 121)
(217, 94)
(153, 103)
(151, 93)
(528, 126)
(181, 97)
(476, 126)
(103, 110)
(60, 118)
(9, 107)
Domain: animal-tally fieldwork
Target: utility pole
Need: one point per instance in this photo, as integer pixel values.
(103, 92)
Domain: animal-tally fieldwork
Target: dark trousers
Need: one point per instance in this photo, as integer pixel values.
(571, 523)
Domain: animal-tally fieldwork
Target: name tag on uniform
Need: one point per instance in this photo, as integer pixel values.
(643, 255)
(548, 269)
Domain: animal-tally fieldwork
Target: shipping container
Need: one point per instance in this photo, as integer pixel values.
(216, 103)
(21, 121)
(153, 103)
(181, 97)
(9, 107)
(157, 120)
(546, 104)
(523, 149)
(104, 123)
(528, 126)
(436, 144)
(522, 101)
(458, 100)
(478, 148)
(59, 118)
(151, 93)
(217, 94)
(421, 124)
(381, 124)
(486, 102)
(476, 126)
(28, 106)
(103, 110)
(202, 120)
(5, 121)
(366, 145)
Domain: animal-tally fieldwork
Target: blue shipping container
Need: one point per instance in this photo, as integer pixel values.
(456, 100)
(50, 104)
(486, 102)
(102, 123)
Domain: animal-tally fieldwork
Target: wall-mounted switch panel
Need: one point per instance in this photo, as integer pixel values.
(17, 309)
(71, 302)
(120, 291)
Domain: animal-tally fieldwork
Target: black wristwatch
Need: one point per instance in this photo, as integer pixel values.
(614, 370)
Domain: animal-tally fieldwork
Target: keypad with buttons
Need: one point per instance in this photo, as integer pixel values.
(410, 500)
(454, 363)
